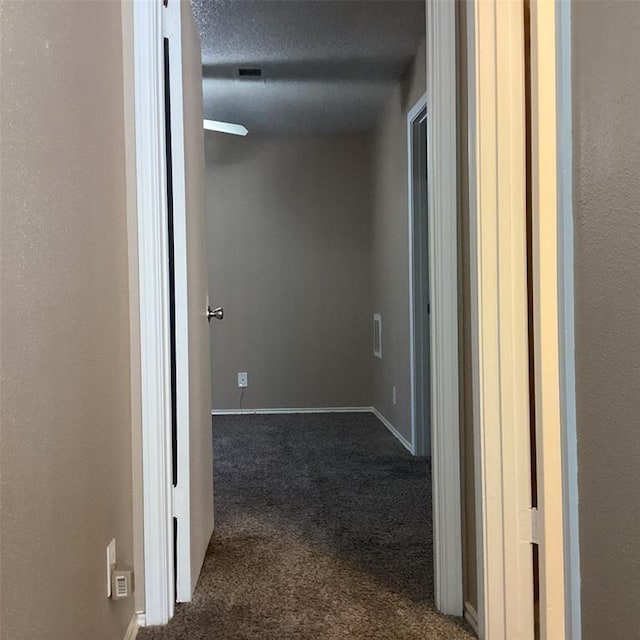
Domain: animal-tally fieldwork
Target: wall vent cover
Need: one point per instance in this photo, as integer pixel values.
(377, 335)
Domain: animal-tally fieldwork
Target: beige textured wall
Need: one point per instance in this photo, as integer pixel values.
(289, 255)
(65, 435)
(390, 249)
(606, 166)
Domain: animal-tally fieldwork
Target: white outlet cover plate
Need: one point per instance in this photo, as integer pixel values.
(243, 379)
(111, 561)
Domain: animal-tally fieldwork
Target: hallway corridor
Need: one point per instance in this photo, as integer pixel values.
(323, 532)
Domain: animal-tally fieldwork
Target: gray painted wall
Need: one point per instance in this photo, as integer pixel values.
(390, 249)
(289, 240)
(307, 238)
(606, 143)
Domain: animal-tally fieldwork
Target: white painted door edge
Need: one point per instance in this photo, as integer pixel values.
(554, 364)
(443, 284)
(182, 491)
(154, 311)
(419, 106)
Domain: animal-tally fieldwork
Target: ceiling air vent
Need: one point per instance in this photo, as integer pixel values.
(249, 73)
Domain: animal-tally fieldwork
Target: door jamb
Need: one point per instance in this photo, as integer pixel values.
(151, 182)
(443, 284)
(417, 108)
(553, 328)
(506, 524)
(499, 319)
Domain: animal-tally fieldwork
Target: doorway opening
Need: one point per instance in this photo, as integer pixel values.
(307, 222)
(335, 221)
(419, 300)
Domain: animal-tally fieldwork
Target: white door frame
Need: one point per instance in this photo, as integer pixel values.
(155, 353)
(154, 308)
(500, 319)
(553, 320)
(418, 445)
(442, 171)
(507, 525)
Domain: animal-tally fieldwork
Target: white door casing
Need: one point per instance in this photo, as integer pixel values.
(154, 311)
(191, 500)
(443, 283)
(553, 330)
(155, 355)
(507, 525)
(500, 319)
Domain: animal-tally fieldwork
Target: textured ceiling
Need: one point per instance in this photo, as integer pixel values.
(328, 65)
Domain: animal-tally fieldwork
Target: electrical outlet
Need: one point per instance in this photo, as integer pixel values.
(111, 563)
(394, 398)
(243, 379)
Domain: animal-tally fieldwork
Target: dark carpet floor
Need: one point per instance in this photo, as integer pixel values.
(323, 532)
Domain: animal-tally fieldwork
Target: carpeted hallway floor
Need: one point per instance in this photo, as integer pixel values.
(323, 532)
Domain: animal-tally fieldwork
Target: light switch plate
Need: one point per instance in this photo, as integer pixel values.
(111, 562)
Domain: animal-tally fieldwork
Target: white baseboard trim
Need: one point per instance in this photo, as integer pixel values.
(471, 616)
(132, 629)
(403, 441)
(142, 619)
(238, 412)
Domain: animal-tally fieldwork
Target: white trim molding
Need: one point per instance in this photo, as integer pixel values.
(276, 410)
(403, 441)
(154, 311)
(288, 410)
(443, 284)
(500, 339)
(553, 365)
(471, 616)
(416, 389)
(132, 630)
